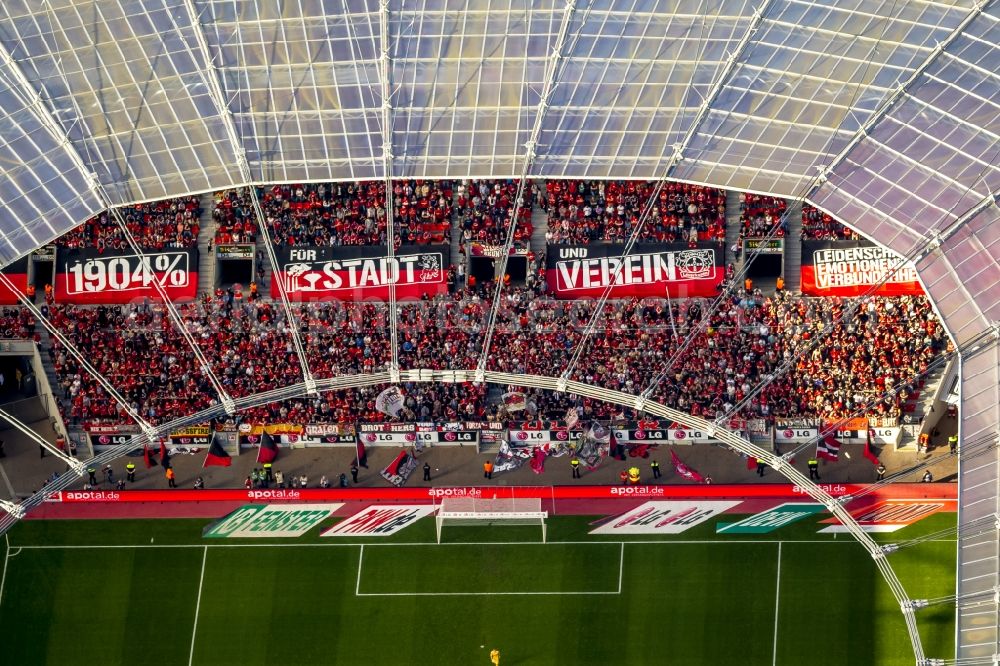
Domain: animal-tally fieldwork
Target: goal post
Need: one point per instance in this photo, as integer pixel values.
(490, 512)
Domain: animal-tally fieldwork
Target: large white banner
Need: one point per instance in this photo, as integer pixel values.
(668, 517)
(380, 520)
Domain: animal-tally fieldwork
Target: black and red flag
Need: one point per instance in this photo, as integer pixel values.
(147, 456)
(870, 454)
(362, 455)
(217, 456)
(164, 456)
(268, 451)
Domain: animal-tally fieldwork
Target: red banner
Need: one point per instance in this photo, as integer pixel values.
(353, 273)
(852, 268)
(17, 273)
(650, 269)
(111, 277)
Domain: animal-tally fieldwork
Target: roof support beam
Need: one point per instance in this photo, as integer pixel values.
(939, 237)
(553, 68)
(727, 72)
(891, 100)
(59, 133)
(385, 76)
(75, 465)
(215, 90)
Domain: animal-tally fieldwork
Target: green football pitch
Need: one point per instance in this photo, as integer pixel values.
(155, 592)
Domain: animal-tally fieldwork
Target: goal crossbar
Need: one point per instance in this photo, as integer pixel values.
(491, 512)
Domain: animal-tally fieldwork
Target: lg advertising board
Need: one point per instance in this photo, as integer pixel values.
(650, 269)
(659, 435)
(112, 277)
(353, 273)
(852, 268)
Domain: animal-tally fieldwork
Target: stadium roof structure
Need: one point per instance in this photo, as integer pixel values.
(885, 114)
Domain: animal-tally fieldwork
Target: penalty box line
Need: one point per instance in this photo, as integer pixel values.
(346, 544)
(617, 592)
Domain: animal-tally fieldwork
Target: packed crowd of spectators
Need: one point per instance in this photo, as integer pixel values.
(817, 225)
(882, 346)
(325, 214)
(582, 212)
(17, 324)
(484, 209)
(234, 217)
(759, 214)
(170, 223)
(142, 356)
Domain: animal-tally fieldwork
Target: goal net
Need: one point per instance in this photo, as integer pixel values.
(493, 511)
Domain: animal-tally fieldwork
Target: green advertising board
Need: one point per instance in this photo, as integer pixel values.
(270, 520)
(770, 520)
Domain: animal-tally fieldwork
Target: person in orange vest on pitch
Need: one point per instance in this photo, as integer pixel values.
(488, 469)
(171, 478)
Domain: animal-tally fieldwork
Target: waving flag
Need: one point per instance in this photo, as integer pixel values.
(828, 448)
(268, 451)
(390, 401)
(147, 456)
(398, 471)
(514, 401)
(687, 472)
(164, 456)
(572, 418)
(870, 454)
(217, 456)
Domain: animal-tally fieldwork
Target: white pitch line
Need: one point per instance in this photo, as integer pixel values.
(621, 568)
(197, 607)
(777, 599)
(434, 544)
(6, 557)
(481, 594)
(361, 558)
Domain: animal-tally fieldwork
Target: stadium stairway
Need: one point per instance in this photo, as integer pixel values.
(919, 405)
(206, 242)
(540, 227)
(44, 345)
(732, 224)
(793, 247)
(262, 263)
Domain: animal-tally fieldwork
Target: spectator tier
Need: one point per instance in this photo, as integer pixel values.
(170, 223)
(817, 225)
(581, 212)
